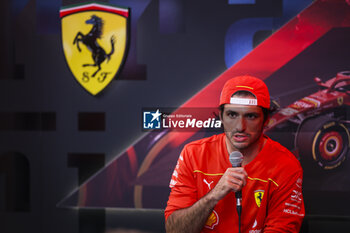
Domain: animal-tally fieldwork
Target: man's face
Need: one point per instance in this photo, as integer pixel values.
(243, 125)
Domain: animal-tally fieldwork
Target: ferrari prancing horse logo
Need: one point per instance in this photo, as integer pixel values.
(258, 195)
(94, 38)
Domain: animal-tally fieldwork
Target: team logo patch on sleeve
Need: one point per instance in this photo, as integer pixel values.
(94, 38)
(258, 195)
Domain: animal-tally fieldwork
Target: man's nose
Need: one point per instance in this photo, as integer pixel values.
(240, 124)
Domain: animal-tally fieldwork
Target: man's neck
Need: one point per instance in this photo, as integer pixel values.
(250, 153)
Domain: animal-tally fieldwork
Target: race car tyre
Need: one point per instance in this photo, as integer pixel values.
(323, 140)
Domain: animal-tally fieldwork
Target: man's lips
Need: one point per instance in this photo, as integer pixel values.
(239, 137)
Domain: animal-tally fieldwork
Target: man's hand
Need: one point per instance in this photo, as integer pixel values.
(233, 180)
(192, 219)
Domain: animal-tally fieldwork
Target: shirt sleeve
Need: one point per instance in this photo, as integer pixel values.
(286, 206)
(183, 189)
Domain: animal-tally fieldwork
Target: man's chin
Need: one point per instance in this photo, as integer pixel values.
(240, 145)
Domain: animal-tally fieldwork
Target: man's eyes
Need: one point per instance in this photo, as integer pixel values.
(232, 114)
(250, 116)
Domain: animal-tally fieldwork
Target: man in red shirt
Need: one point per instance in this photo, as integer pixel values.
(204, 183)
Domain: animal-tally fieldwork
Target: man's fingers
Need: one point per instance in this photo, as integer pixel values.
(233, 180)
(237, 182)
(237, 177)
(240, 176)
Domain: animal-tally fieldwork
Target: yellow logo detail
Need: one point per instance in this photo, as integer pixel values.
(94, 41)
(212, 220)
(258, 195)
(246, 87)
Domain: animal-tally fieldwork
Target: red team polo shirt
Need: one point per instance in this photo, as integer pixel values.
(272, 199)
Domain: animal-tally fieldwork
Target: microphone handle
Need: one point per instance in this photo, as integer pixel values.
(238, 193)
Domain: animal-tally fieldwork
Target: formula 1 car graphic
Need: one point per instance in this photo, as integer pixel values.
(317, 123)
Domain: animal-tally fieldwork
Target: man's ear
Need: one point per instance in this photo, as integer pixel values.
(266, 122)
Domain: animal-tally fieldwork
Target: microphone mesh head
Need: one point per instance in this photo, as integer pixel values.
(236, 159)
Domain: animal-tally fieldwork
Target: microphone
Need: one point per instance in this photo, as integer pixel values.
(236, 159)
